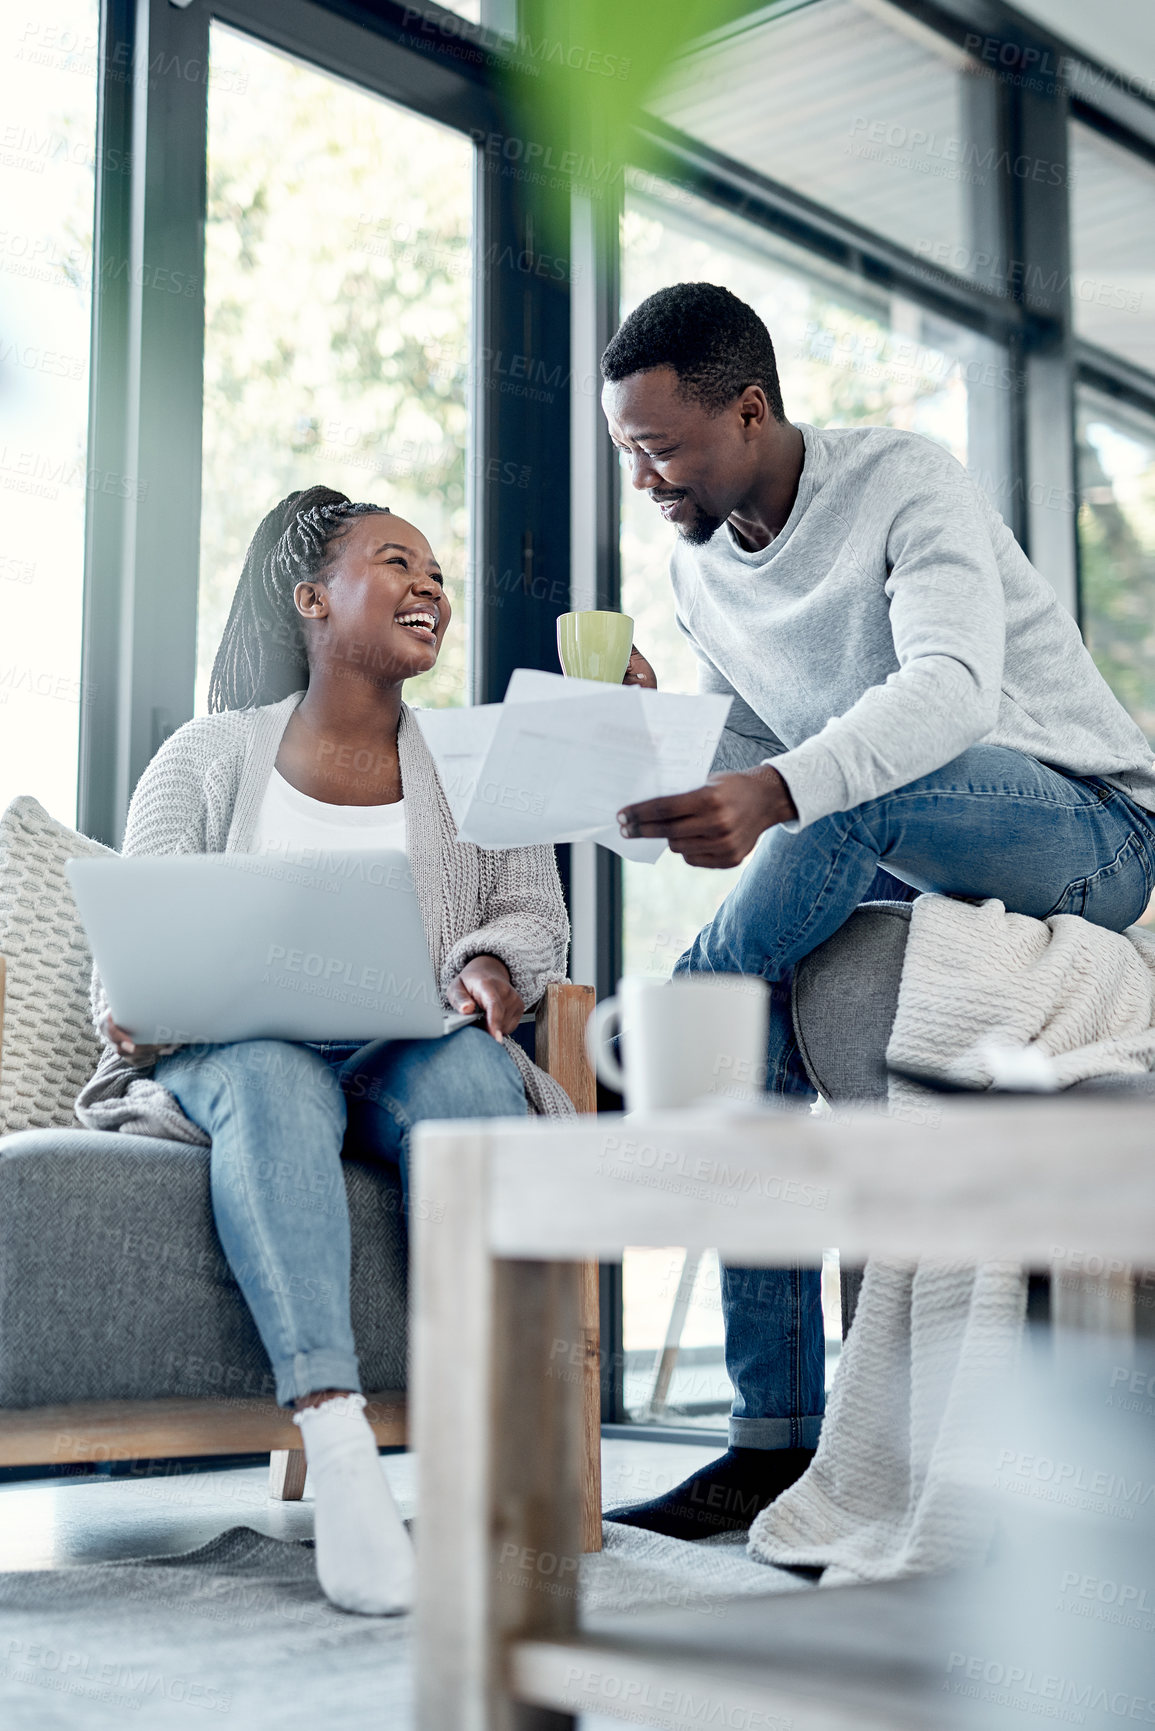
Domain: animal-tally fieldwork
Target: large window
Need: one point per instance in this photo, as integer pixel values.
(660, 1286)
(860, 108)
(48, 82)
(338, 291)
(1113, 246)
(1116, 453)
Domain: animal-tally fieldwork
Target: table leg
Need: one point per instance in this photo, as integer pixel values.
(590, 1333)
(498, 1426)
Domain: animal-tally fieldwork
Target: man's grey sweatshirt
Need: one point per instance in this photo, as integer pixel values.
(892, 623)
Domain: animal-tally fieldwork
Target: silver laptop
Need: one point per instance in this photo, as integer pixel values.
(219, 947)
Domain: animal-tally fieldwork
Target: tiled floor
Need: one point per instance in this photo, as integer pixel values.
(58, 1522)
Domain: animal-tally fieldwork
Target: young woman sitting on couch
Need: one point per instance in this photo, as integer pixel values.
(309, 744)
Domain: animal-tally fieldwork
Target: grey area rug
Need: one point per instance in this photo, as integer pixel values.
(238, 1633)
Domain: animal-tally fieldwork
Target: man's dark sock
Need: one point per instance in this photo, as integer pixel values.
(722, 1497)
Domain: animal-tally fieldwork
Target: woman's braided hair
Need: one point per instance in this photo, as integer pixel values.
(262, 657)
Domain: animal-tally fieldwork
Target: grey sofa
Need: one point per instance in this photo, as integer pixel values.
(122, 1332)
(113, 1285)
(845, 999)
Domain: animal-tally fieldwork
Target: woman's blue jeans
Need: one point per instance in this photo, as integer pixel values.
(280, 1114)
(992, 823)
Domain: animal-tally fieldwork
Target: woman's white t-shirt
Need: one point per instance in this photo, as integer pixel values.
(290, 823)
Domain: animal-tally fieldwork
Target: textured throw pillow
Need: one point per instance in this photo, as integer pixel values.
(49, 1048)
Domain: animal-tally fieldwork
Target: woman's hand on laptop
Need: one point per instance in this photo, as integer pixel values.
(716, 825)
(484, 984)
(133, 1050)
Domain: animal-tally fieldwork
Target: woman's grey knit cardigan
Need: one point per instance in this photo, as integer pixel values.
(202, 793)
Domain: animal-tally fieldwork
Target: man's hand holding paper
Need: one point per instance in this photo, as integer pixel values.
(716, 825)
(561, 757)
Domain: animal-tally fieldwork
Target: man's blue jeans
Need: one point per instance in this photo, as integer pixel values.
(992, 823)
(279, 1115)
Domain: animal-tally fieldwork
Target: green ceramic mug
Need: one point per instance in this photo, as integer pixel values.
(595, 645)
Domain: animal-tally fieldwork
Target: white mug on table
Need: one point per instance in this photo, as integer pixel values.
(683, 1040)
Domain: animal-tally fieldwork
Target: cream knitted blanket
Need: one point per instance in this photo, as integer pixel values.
(892, 1489)
(1081, 996)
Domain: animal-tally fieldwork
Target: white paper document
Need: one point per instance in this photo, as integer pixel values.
(560, 757)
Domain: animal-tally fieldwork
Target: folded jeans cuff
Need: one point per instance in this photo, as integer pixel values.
(775, 1433)
(310, 1372)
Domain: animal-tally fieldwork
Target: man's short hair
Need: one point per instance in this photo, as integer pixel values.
(715, 343)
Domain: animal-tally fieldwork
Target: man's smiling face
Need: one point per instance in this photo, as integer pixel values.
(696, 466)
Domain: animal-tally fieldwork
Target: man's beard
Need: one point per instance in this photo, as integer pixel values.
(700, 528)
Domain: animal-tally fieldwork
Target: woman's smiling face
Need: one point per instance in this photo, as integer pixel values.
(381, 604)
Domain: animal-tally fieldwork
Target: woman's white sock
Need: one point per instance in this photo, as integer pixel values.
(364, 1555)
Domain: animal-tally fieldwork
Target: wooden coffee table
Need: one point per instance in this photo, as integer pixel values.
(516, 1206)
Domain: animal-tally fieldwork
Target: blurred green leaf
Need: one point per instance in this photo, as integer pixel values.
(581, 76)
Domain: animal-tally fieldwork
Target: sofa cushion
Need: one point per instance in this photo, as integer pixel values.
(113, 1284)
(50, 1049)
(845, 998)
